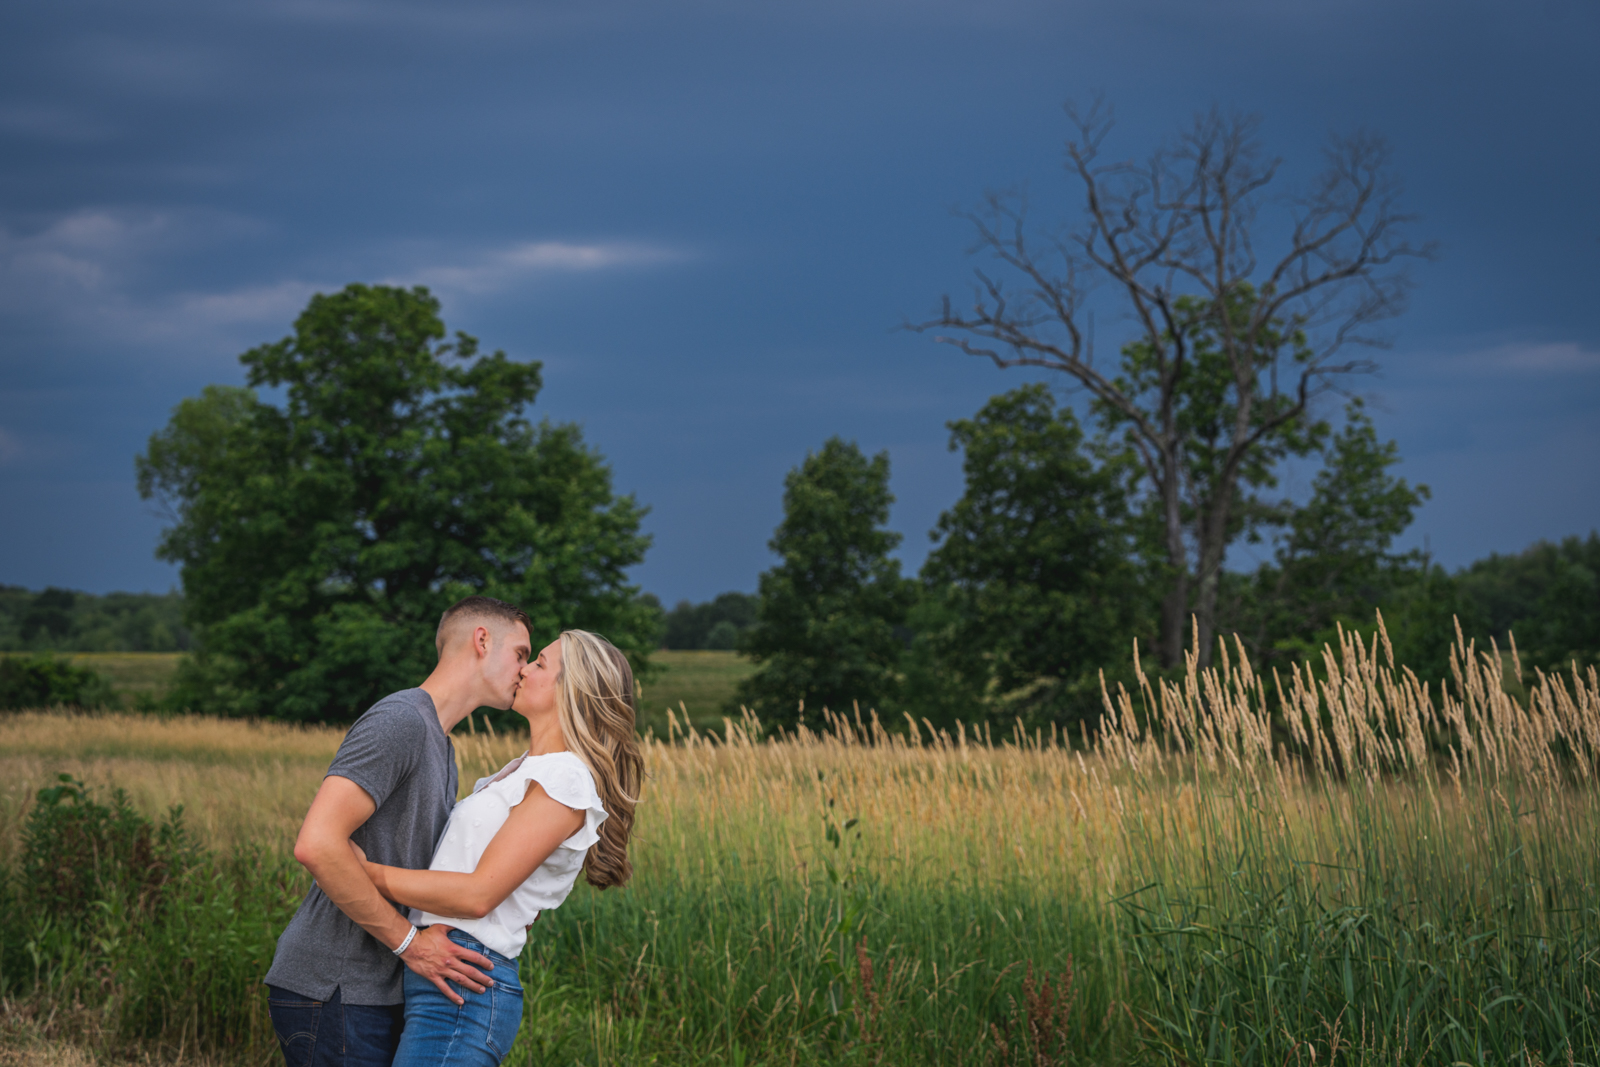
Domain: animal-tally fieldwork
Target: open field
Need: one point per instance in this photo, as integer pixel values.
(700, 681)
(132, 673)
(1355, 872)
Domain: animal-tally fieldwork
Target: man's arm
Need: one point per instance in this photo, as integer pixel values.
(323, 848)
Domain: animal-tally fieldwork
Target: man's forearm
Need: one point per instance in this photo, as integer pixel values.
(345, 882)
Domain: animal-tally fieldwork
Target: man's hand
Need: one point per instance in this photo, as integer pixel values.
(432, 955)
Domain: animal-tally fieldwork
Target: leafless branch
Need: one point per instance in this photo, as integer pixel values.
(1176, 237)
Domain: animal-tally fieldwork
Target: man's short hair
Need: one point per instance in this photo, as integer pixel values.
(479, 609)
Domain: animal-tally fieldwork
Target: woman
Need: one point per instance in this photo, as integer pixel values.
(514, 847)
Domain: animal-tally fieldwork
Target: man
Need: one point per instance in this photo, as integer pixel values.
(334, 988)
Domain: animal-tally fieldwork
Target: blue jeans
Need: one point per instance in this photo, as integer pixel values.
(331, 1033)
(480, 1032)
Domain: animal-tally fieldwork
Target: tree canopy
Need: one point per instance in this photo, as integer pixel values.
(1034, 584)
(1229, 343)
(1333, 562)
(827, 630)
(321, 537)
(70, 620)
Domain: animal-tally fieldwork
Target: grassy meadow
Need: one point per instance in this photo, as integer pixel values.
(132, 674)
(1339, 866)
(693, 683)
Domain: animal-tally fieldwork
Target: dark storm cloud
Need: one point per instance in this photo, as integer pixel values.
(707, 218)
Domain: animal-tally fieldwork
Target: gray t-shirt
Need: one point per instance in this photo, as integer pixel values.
(399, 754)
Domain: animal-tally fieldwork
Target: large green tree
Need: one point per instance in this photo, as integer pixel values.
(321, 536)
(1333, 561)
(1033, 585)
(828, 626)
(1228, 344)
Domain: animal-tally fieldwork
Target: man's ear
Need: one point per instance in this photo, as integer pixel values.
(482, 641)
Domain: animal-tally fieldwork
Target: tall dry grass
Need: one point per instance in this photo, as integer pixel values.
(1346, 863)
(239, 782)
(1340, 865)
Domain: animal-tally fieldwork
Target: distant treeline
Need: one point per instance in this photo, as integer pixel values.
(1548, 596)
(65, 620)
(714, 624)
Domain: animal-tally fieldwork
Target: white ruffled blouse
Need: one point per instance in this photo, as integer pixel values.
(477, 818)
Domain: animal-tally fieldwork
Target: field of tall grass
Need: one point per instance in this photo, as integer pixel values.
(1338, 866)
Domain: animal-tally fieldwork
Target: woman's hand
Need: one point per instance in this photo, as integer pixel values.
(375, 871)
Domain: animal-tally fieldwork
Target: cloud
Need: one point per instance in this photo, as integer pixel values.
(495, 270)
(76, 252)
(98, 273)
(102, 272)
(1559, 357)
(279, 302)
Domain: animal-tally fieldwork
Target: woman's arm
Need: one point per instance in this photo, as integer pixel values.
(533, 830)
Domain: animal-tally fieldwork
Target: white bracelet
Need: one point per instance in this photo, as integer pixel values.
(406, 943)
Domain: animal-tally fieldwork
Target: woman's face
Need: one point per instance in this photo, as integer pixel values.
(536, 691)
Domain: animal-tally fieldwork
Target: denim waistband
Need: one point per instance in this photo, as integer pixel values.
(468, 941)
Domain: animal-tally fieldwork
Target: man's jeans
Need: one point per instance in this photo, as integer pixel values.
(479, 1033)
(331, 1033)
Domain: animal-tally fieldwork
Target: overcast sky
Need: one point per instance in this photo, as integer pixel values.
(707, 219)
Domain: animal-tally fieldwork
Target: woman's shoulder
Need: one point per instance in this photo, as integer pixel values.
(564, 773)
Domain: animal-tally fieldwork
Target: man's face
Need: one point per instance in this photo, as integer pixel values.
(502, 667)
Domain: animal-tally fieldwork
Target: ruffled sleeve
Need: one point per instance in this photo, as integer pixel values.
(565, 780)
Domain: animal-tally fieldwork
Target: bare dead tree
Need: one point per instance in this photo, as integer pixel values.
(1228, 350)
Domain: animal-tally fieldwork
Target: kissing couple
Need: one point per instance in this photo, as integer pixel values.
(405, 950)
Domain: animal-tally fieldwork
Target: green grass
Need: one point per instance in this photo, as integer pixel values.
(703, 682)
(132, 672)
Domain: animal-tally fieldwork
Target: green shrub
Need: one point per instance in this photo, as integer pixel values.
(78, 852)
(150, 938)
(43, 681)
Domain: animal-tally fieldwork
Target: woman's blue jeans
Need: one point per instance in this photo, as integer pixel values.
(479, 1032)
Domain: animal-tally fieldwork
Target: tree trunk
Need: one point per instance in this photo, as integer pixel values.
(1206, 613)
(1175, 605)
(1174, 613)
(1212, 549)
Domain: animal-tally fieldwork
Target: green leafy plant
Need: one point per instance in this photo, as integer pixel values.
(44, 681)
(77, 852)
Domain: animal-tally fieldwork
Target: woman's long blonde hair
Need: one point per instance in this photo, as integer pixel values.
(595, 704)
